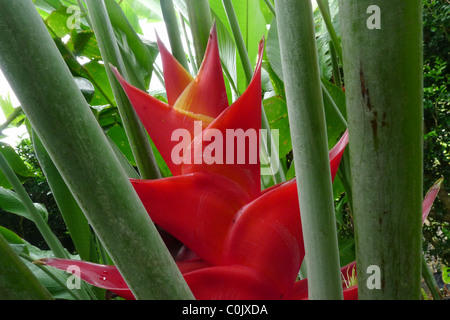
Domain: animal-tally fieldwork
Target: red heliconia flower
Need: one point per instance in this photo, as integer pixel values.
(244, 243)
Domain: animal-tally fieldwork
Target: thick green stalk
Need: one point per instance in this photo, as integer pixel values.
(173, 31)
(17, 282)
(382, 48)
(43, 227)
(200, 20)
(80, 151)
(310, 146)
(134, 129)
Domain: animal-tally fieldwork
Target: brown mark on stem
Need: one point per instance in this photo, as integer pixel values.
(366, 98)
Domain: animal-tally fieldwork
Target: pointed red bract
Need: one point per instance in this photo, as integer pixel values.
(206, 95)
(336, 154)
(176, 78)
(429, 198)
(102, 276)
(159, 119)
(238, 126)
(229, 283)
(197, 209)
(267, 236)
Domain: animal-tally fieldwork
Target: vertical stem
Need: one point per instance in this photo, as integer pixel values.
(333, 54)
(430, 281)
(382, 48)
(310, 146)
(200, 20)
(79, 149)
(134, 129)
(173, 31)
(17, 282)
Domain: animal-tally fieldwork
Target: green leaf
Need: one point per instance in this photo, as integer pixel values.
(253, 27)
(16, 163)
(58, 21)
(138, 56)
(155, 9)
(446, 274)
(346, 251)
(273, 50)
(83, 44)
(276, 111)
(119, 137)
(10, 202)
(335, 127)
(98, 72)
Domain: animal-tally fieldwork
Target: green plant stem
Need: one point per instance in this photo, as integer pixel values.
(79, 149)
(278, 176)
(384, 95)
(11, 118)
(17, 282)
(136, 133)
(73, 216)
(271, 7)
(333, 54)
(43, 227)
(430, 281)
(200, 19)
(333, 104)
(173, 31)
(186, 38)
(310, 147)
(323, 7)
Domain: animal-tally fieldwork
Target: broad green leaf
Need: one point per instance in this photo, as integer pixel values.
(155, 9)
(119, 137)
(83, 44)
(276, 112)
(98, 72)
(16, 164)
(346, 251)
(47, 5)
(253, 28)
(273, 50)
(6, 105)
(58, 21)
(10, 202)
